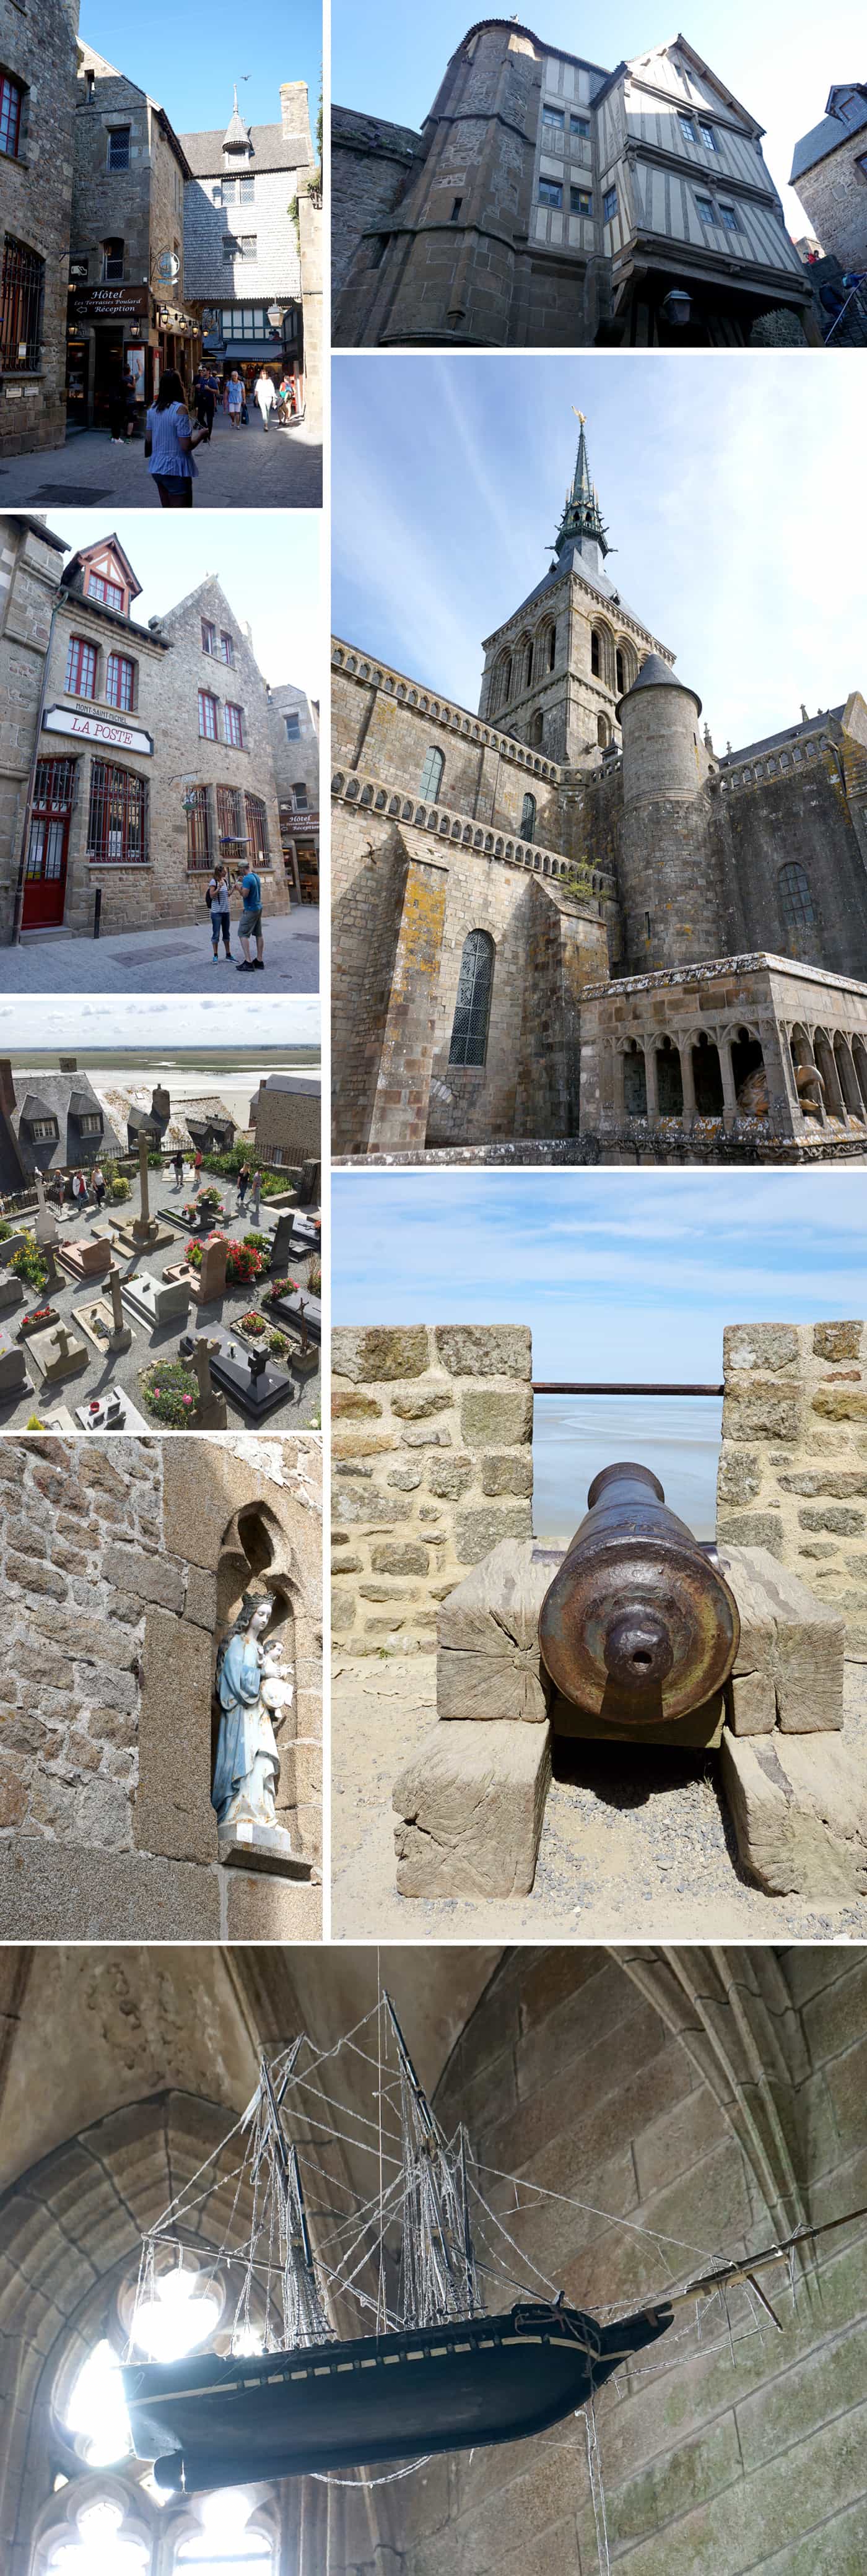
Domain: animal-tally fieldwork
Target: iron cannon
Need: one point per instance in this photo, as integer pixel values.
(638, 1627)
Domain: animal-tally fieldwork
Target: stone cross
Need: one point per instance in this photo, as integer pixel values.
(62, 1342)
(144, 1211)
(121, 1332)
(45, 1224)
(53, 1280)
(212, 1406)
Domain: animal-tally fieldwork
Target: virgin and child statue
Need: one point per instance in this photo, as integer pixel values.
(254, 1690)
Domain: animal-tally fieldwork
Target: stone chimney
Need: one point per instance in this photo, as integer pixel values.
(7, 1087)
(295, 114)
(161, 1106)
(68, 1064)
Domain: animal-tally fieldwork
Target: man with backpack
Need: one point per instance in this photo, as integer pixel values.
(250, 924)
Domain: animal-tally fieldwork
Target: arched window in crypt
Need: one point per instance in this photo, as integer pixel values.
(469, 1044)
(528, 818)
(432, 774)
(796, 902)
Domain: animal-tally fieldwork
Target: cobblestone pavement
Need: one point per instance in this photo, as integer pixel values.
(637, 1848)
(242, 469)
(167, 961)
(301, 1409)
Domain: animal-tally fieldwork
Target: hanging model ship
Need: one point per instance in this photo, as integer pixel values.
(292, 2396)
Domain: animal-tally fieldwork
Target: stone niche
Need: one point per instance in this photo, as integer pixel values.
(118, 1575)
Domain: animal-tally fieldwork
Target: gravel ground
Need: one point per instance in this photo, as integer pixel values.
(124, 1369)
(634, 1846)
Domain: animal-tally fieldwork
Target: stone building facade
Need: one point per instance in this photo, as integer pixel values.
(31, 562)
(152, 752)
(37, 101)
(548, 202)
(126, 303)
(286, 1116)
(294, 723)
(576, 865)
(829, 172)
(120, 1573)
(241, 244)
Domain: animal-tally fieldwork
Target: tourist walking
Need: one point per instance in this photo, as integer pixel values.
(217, 898)
(198, 1160)
(206, 389)
(250, 924)
(79, 1191)
(243, 1186)
(178, 1169)
(254, 1197)
(264, 396)
(131, 401)
(235, 399)
(169, 442)
(98, 1185)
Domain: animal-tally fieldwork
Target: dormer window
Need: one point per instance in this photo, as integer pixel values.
(209, 636)
(44, 1131)
(227, 650)
(90, 1123)
(107, 592)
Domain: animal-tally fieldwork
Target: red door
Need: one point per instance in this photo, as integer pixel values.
(45, 879)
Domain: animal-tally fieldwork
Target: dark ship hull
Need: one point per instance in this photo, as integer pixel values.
(213, 2423)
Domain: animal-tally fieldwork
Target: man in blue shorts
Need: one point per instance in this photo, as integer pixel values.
(250, 924)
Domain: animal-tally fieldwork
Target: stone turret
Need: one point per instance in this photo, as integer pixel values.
(674, 913)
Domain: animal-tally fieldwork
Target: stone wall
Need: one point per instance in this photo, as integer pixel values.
(432, 1464)
(834, 193)
(118, 1569)
(370, 164)
(716, 2100)
(38, 50)
(810, 818)
(793, 1464)
(30, 567)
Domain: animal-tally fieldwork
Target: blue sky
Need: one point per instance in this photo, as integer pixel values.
(730, 485)
(268, 563)
(622, 1275)
(188, 58)
(779, 57)
(151, 1020)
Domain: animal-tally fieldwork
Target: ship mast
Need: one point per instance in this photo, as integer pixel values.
(438, 2265)
(304, 2316)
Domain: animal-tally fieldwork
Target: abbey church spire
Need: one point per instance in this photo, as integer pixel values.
(582, 523)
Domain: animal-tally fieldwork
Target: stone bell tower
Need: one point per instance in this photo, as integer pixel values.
(555, 671)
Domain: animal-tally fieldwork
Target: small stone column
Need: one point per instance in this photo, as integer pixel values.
(650, 1080)
(120, 1336)
(142, 1223)
(687, 1078)
(730, 1103)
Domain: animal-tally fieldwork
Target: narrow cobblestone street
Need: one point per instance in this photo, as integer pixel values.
(241, 469)
(179, 960)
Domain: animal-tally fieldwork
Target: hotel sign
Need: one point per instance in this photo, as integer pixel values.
(111, 303)
(119, 737)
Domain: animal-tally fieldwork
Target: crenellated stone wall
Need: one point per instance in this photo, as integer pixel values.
(793, 1463)
(432, 1464)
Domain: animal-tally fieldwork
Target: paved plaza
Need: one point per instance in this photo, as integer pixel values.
(168, 961)
(103, 1369)
(241, 469)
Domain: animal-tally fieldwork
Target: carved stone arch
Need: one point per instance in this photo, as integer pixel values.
(523, 659)
(545, 634)
(602, 652)
(255, 1552)
(735, 2015)
(625, 665)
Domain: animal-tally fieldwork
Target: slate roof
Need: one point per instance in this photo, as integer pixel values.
(309, 1083)
(271, 149)
(570, 559)
(657, 674)
(55, 1098)
(790, 733)
(830, 133)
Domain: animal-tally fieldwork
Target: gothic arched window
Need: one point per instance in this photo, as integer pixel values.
(537, 732)
(96, 2544)
(473, 1007)
(603, 732)
(796, 902)
(528, 666)
(621, 674)
(552, 647)
(528, 817)
(432, 774)
(223, 2541)
(596, 654)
